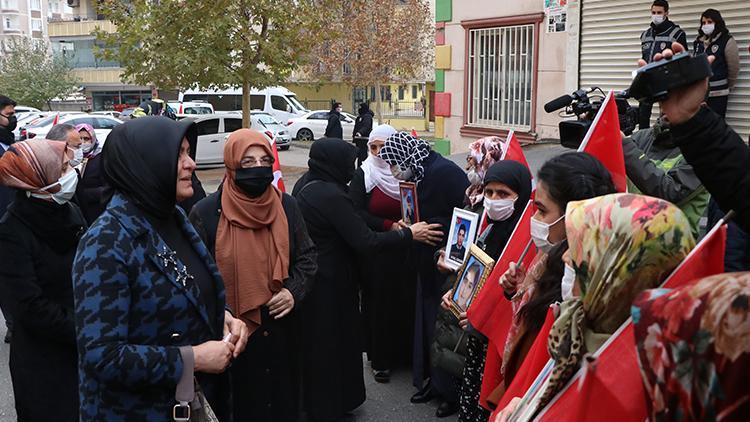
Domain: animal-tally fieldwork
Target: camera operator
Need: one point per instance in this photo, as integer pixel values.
(659, 36)
(655, 167)
(718, 155)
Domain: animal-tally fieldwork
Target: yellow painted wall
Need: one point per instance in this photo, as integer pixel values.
(333, 91)
(443, 57)
(98, 76)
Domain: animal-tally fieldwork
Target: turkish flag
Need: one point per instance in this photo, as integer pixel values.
(491, 313)
(706, 259)
(278, 178)
(604, 141)
(512, 150)
(532, 365)
(612, 384)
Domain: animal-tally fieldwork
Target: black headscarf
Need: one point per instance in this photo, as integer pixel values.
(332, 160)
(517, 177)
(140, 160)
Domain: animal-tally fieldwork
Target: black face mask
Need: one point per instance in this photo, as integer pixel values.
(254, 180)
(12, 122)
(6, 132)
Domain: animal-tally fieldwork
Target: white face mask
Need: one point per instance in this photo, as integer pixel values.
(401, 174)
(540, 234)
(708, 28)
(499, 209)
(568, 280)
(68, 183)
(657, 19)
(77, 157)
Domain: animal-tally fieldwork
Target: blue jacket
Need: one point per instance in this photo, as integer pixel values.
(132, 315)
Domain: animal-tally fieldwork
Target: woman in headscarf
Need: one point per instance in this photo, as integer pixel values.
(38, 239)
(388, 291)
(506, 189)
(694, 350)
(149, 301)
(619, 245)
(441, 186)
(331, 335)
(267, 260)
(483, 153)
(91, 189)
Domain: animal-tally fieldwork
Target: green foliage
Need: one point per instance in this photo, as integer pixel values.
(217, 44)
(31, 76)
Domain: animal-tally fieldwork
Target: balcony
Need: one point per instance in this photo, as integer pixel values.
(79, 28)
(9, 5)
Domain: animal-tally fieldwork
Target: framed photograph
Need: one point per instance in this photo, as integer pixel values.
(461, 236)
(470, 279)
(409, 204)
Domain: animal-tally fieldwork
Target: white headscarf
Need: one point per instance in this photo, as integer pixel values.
(377, 171)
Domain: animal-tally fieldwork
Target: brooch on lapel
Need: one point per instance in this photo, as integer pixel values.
(169, 258)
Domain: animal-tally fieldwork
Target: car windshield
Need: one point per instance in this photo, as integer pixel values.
(42, 122)
(296, 103)
(197, 110)
(267, 119)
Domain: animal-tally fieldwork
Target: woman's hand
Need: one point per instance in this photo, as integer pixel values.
(683, 103)
(213, 357)
(399, 225)
(429, 234)
(281, 304)
(445, 303)
(444, 269)
(512, 278)
(238, 331)
(506, 413)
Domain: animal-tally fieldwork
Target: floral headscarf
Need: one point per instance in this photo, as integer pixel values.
(620, 245)
(407, 152)
(694, 349)
(33, 165)
(483, 153)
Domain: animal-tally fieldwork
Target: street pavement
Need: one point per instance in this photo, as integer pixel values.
(385, 402)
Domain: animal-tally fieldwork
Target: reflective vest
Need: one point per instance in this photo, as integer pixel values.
(719, 82)
(653, 42)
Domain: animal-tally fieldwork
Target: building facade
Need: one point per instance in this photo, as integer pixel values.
(22, 19)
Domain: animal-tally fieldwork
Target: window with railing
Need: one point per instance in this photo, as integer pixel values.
(10, 23)
(81, 53)
(501, 75)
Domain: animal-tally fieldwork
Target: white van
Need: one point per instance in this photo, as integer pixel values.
(277, 101)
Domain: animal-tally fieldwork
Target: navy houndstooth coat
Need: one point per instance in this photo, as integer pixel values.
(132, 314)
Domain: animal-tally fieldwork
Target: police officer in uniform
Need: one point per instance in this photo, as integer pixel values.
(658, 37)
(715, 40)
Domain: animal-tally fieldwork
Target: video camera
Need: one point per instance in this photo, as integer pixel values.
(584, 107)
(651, 83)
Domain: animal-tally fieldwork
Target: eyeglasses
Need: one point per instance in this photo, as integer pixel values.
(253, 162)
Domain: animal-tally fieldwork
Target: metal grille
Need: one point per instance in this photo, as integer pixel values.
(610, 44)
(501, 64)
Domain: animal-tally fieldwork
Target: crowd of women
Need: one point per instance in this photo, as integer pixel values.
(257, 305)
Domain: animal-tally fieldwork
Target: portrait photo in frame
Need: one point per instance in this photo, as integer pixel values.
(409, 203)
(470, 279)
(463, 232)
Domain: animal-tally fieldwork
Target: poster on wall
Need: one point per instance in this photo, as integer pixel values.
(556, 13)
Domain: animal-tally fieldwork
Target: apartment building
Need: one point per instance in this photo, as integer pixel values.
(22, 19)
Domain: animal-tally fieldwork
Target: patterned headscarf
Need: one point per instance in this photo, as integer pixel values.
(96, 148)
(483, 153)
(620, 245)
(407, 152)
(694, 349)
(33, 165)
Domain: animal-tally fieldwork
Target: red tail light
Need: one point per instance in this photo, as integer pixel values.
(289, 122)
(269, 134)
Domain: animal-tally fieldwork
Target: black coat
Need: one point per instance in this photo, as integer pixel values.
(6, 193)
(334, 129)
(266, 377)
(92, 191)
(363, 124)
(721, 160)
(38, 241)
(442, 189)
(333, 377)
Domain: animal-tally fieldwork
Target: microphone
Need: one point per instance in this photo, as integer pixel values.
(558, 103)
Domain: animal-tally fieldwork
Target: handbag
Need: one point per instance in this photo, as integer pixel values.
(192, 405)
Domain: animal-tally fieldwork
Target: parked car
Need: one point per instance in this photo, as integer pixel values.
(20, 109)
(24, 119)
(102, 125)
(191, 107)
(266, 123)
(213, 129)
(110, 113)
(126, 112)
(313, 125)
